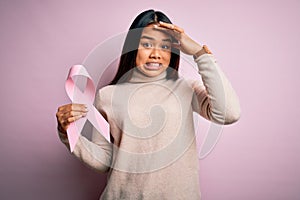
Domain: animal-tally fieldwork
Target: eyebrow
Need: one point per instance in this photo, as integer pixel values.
(151, 38)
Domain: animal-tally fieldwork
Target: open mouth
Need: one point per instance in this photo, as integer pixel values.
(153, 66)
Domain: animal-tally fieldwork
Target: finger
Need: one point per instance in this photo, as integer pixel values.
(63, 127)
(73, 119)
(166, 25)
(72, 107)
(66, 116)
(171, 27)
(79, 107)
(178, 29)
(75, 114)
(166, 30)
(173, 33)
(62, 118)
(66, 122)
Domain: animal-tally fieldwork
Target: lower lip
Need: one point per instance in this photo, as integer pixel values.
(153, 67)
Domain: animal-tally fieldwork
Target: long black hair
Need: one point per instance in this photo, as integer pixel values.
(129, 51)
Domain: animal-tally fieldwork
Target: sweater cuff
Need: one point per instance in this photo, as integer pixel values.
(204, 57)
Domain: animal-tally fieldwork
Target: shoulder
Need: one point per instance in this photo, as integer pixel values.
(105, 91)
(189, 84)
(106, 94)
(103, 95)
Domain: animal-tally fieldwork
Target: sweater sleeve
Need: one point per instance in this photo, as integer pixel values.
(96, 155)
(97, 152)
(215, 99)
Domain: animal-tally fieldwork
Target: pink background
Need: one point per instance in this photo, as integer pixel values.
(257, 44)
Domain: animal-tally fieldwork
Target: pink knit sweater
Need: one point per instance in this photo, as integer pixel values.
(153, 154)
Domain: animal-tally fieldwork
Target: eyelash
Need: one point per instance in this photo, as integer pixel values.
(148, 45)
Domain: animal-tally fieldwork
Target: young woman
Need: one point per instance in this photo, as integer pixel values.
(153, 152)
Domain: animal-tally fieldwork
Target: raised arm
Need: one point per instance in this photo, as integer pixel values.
(216, 100)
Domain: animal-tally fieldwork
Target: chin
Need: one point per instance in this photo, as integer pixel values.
(151, 73)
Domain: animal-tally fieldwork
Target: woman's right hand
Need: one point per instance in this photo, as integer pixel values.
(69, 113)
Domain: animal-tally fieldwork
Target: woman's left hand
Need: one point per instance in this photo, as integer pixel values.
(185, 43)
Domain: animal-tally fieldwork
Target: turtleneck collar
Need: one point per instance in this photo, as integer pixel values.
(140, 77)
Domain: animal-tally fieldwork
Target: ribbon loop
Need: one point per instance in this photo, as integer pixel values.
(87, 97)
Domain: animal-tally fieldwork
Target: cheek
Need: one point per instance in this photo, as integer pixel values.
(167, 58)
(140, 57)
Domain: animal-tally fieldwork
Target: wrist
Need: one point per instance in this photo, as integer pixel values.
(61, 130)
(203, 50)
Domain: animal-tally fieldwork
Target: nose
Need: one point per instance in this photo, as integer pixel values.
(155, 53)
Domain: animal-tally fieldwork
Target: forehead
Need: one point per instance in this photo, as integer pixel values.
(154, 33)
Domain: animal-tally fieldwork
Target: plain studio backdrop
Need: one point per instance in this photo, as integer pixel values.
(255, 42)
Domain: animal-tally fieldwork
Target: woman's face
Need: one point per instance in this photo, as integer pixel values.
(154, 51)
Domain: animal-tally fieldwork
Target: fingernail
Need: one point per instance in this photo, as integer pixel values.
(84, 114)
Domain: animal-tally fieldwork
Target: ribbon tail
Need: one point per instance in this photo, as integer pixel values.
(99, 123)
(74, 131)
(72, 136)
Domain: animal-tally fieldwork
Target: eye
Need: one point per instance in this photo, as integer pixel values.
(147, 45)
(165, 47)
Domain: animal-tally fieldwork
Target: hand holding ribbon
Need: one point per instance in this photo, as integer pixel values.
(87, 98)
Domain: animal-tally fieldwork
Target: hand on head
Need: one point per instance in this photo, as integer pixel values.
(185, 43)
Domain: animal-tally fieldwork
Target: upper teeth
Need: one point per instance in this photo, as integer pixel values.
(154, 64)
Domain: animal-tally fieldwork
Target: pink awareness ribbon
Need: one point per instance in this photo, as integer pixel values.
(87, 97)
